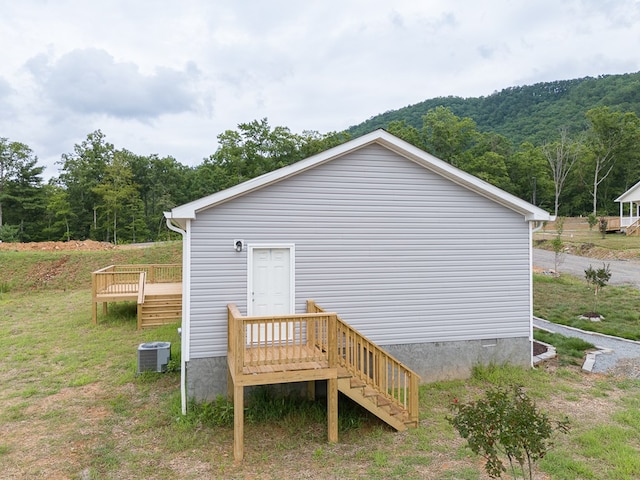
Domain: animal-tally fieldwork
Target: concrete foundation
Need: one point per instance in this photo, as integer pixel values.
(207, 377)
(455, 360)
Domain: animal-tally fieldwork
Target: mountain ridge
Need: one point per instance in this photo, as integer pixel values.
(528, 113)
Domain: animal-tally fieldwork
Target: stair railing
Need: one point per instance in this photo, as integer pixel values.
(372, 365)
(634, 228)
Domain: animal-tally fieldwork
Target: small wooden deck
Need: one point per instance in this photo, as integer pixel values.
(157, 289)
(317, 345)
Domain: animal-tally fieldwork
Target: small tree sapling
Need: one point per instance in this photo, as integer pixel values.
(597, 279)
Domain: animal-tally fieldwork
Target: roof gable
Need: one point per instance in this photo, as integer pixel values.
(380, 137)
(631, 195)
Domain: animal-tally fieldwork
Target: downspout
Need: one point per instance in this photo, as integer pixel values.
(184, 332)
(534, 226)
(539, 225)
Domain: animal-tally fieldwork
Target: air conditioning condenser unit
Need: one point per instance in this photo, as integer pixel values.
(153, 356)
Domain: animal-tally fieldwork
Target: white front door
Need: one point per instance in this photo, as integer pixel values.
(271, 288)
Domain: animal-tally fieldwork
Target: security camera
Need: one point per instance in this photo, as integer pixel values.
(238, 245)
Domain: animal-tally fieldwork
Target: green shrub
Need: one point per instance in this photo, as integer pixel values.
(9, 233)
(505, 423)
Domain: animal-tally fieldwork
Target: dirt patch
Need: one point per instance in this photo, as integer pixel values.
(74, 245)
(44, 272)
(539, 348)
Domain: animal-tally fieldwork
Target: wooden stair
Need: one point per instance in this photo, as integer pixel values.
(158, 310)
(374, 401)
(633, 229)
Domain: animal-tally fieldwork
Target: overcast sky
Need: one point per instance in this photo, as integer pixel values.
(166, 77)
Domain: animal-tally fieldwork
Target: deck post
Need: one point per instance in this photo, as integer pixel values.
(311, 390)
(312, 335)
(332, 410)
(229, 385)
(94, 291)
(414, 400)
(139, 310)
(332, 383)
(238, 423)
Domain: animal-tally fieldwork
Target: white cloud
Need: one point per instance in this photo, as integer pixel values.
(167, 77)
(89, 81)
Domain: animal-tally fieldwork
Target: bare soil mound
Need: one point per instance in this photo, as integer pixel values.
(85, 245)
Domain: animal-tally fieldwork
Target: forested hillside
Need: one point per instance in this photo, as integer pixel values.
(531, 113)
(569, 146)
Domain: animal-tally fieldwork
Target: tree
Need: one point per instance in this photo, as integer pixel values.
(254, 149)
(612, 136)
(19, 179)
(447, 136)
(490, 167)
(59, 212)
(82, 171)
(557, 244)
(598, 279)
(408, 133)
(506, 423)
(529, 175)
(118, 194)
(562, 156)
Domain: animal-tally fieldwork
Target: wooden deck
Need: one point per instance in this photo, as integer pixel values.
(157, 289)
(317, 345)
(112, 293)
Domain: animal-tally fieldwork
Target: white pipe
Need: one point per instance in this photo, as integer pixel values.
(184, 333)
(539, 226)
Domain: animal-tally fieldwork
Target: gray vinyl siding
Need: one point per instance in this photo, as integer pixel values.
(401, 253)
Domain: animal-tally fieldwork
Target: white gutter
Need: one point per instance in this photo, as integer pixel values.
(533, 228)
(184, 332)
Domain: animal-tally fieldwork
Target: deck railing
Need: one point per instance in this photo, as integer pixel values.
(126, 282)
(627, 221)
(125, 278)
(372, 365)
(258, 343)
(262, 342)
(156, 273)
(116, 282)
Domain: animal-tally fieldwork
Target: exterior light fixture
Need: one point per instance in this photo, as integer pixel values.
(238, 245)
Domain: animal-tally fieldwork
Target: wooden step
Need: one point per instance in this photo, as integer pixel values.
(357, 383)
(158, 310)
(369, 392)
(368, 397)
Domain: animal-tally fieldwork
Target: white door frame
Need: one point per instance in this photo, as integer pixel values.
(292, 269)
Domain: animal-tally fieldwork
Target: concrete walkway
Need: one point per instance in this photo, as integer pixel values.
(615, 355)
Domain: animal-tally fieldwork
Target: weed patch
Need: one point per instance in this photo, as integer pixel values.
(571, 348)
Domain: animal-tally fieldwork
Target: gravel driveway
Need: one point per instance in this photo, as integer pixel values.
(616, 355)
(624, 272)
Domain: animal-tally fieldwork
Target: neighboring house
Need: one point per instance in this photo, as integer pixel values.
(630, 215)
(429, 262)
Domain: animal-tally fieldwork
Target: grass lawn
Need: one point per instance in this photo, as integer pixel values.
(72, 406)
(564, 299)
